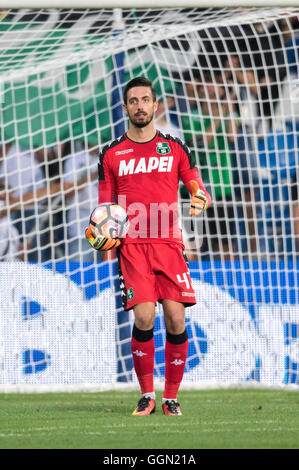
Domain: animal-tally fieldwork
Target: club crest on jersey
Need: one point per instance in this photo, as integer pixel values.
(163, 148)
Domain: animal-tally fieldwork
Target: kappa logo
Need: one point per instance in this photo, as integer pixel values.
(160, 164)
(123, 152)
(177, 362)
(139, 353)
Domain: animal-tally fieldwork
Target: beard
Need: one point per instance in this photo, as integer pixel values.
(137, 120)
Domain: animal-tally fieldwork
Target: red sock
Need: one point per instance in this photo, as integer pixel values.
(176, 351)
(143, 353)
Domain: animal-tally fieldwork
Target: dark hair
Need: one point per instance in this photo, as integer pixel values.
(139, 81)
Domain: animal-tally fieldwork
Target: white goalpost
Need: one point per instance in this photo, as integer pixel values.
(227, 81)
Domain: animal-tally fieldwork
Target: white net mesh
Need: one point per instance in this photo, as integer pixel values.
(227, 82)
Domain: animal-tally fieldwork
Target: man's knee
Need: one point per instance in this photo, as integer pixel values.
(174, 317)
(144, 314)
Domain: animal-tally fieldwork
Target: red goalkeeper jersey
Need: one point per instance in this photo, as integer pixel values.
(144, 179)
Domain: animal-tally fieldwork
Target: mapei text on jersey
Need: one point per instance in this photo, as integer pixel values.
(145, 165)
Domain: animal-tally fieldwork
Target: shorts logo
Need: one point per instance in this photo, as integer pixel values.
(163, 148)
(130, 293)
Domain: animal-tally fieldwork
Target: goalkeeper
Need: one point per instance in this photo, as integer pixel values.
(141, 171)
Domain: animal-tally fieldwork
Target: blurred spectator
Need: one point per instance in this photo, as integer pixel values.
(166, 126)
(259, 47)
(163, 120)
(287, 112)
(21, 173)
(187, 91)
(188, 102)
(246, 89)
(213, 127)
(289, 28)
(268, 61)
(10, 246)
(295, 209)
(244, 150)
(49, 159)
(78, 166)
(51, 224)
(10, 203)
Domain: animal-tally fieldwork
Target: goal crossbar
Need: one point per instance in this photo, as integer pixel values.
(96, 4)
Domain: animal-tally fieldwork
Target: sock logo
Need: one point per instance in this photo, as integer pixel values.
(177, 362)
(139, 353)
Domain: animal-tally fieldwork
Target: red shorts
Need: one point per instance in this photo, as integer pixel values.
(151, 272)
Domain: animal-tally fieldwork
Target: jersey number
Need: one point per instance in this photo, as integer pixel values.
(184, 279)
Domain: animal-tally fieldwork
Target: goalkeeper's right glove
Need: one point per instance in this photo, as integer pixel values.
(98, 242)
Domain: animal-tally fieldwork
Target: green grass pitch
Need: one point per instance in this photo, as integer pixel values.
(212, 419)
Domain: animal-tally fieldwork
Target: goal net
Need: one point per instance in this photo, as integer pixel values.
(228, 85)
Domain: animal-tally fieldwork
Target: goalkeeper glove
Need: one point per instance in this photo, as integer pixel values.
(199, 201)
(98, 242)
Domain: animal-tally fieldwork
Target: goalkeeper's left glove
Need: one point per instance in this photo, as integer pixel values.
(199, 201)
(98, 242)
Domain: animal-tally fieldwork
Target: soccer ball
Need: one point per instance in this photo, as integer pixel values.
(109, 221)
